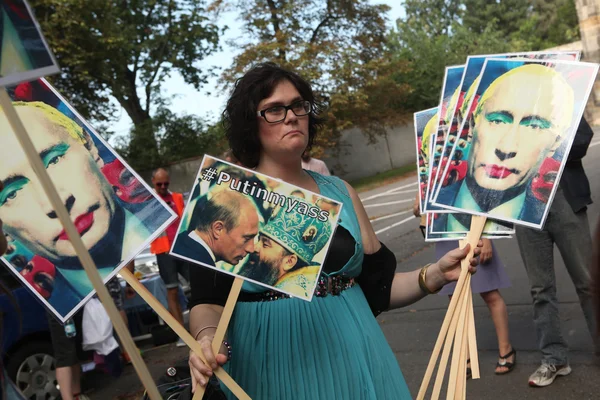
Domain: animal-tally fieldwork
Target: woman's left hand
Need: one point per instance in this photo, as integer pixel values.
(449, 266)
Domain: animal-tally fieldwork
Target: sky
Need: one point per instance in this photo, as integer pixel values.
(190, 101)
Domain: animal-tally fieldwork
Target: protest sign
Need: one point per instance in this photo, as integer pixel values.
(24, 54)
(452, 78)
(424, 123)
(456, 143)
(521, 121)
(114, 211)
(256, 228)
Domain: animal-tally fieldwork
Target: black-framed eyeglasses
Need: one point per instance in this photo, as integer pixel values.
(275, 114)
(162, 184)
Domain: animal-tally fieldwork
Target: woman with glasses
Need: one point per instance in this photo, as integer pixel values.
(285, 348)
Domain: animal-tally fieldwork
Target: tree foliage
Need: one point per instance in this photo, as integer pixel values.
(439, 33)
(340, 46)
(125, 49)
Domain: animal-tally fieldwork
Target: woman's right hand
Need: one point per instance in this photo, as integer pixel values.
(201, 372)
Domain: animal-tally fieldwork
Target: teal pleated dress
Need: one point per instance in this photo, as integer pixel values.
(329, 348)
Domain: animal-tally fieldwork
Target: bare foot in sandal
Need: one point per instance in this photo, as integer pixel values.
(507, 362)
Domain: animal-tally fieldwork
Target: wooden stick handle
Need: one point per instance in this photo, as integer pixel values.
(232, 299)
(477, 224)
(181, 331)
(78, 245)
(439, 380)
(458, 341)
(473, 354)
(461, 379)
(234, 293)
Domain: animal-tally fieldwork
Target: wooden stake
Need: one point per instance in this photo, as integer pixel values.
(472, 340)
(458, 343)
(477, 224)
(80, 249)
(439, 380)
(232, 299)
(461, 381)
(181, 332)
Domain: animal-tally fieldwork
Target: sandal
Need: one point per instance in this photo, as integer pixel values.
(506, 364)
(469, 371)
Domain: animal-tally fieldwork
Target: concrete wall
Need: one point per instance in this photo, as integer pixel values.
(357, 158)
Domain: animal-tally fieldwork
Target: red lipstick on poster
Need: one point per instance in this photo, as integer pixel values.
(497, 171)
(83, 223)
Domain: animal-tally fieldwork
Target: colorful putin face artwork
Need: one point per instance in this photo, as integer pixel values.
(425, 123)
(457, 141)
(24, 54)
(452, 78)
(521, 128)
(271, 234)
(115, 212)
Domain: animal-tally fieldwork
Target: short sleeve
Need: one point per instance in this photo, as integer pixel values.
(208, 286)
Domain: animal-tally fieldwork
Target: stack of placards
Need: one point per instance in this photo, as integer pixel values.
(489, 156)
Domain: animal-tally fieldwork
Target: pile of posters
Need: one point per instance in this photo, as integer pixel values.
(498, 141)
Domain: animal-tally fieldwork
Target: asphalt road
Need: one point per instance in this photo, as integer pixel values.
(412, 331)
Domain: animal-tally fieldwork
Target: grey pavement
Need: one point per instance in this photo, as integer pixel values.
(412, 331)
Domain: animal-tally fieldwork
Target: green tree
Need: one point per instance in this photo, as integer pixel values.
(124, 50)
(430, 41)
(439, 33)
(506, 16)
(338, 45)
(528, 25)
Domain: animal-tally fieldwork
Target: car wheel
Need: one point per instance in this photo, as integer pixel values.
(33, 370)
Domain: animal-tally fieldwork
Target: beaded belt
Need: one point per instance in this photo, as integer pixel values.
(332, 285)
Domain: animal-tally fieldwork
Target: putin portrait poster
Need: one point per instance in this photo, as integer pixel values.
(272, 234)
(521, 123)
(24, 54)
(114, 211)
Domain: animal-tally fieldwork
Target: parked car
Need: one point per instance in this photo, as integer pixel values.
(26, 344)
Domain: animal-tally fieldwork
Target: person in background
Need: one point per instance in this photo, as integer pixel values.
(68, 351)
(169, 266)
(595, 268)
(314, 164)
(568, 227)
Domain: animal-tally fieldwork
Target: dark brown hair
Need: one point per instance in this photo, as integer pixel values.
(240, 119)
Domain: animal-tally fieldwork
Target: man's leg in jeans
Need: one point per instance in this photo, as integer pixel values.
(536, 249)
(572, 235)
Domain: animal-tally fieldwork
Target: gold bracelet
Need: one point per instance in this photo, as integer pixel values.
(423, 281)
(206, 327)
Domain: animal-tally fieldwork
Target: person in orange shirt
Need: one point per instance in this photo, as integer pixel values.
(168, 265)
